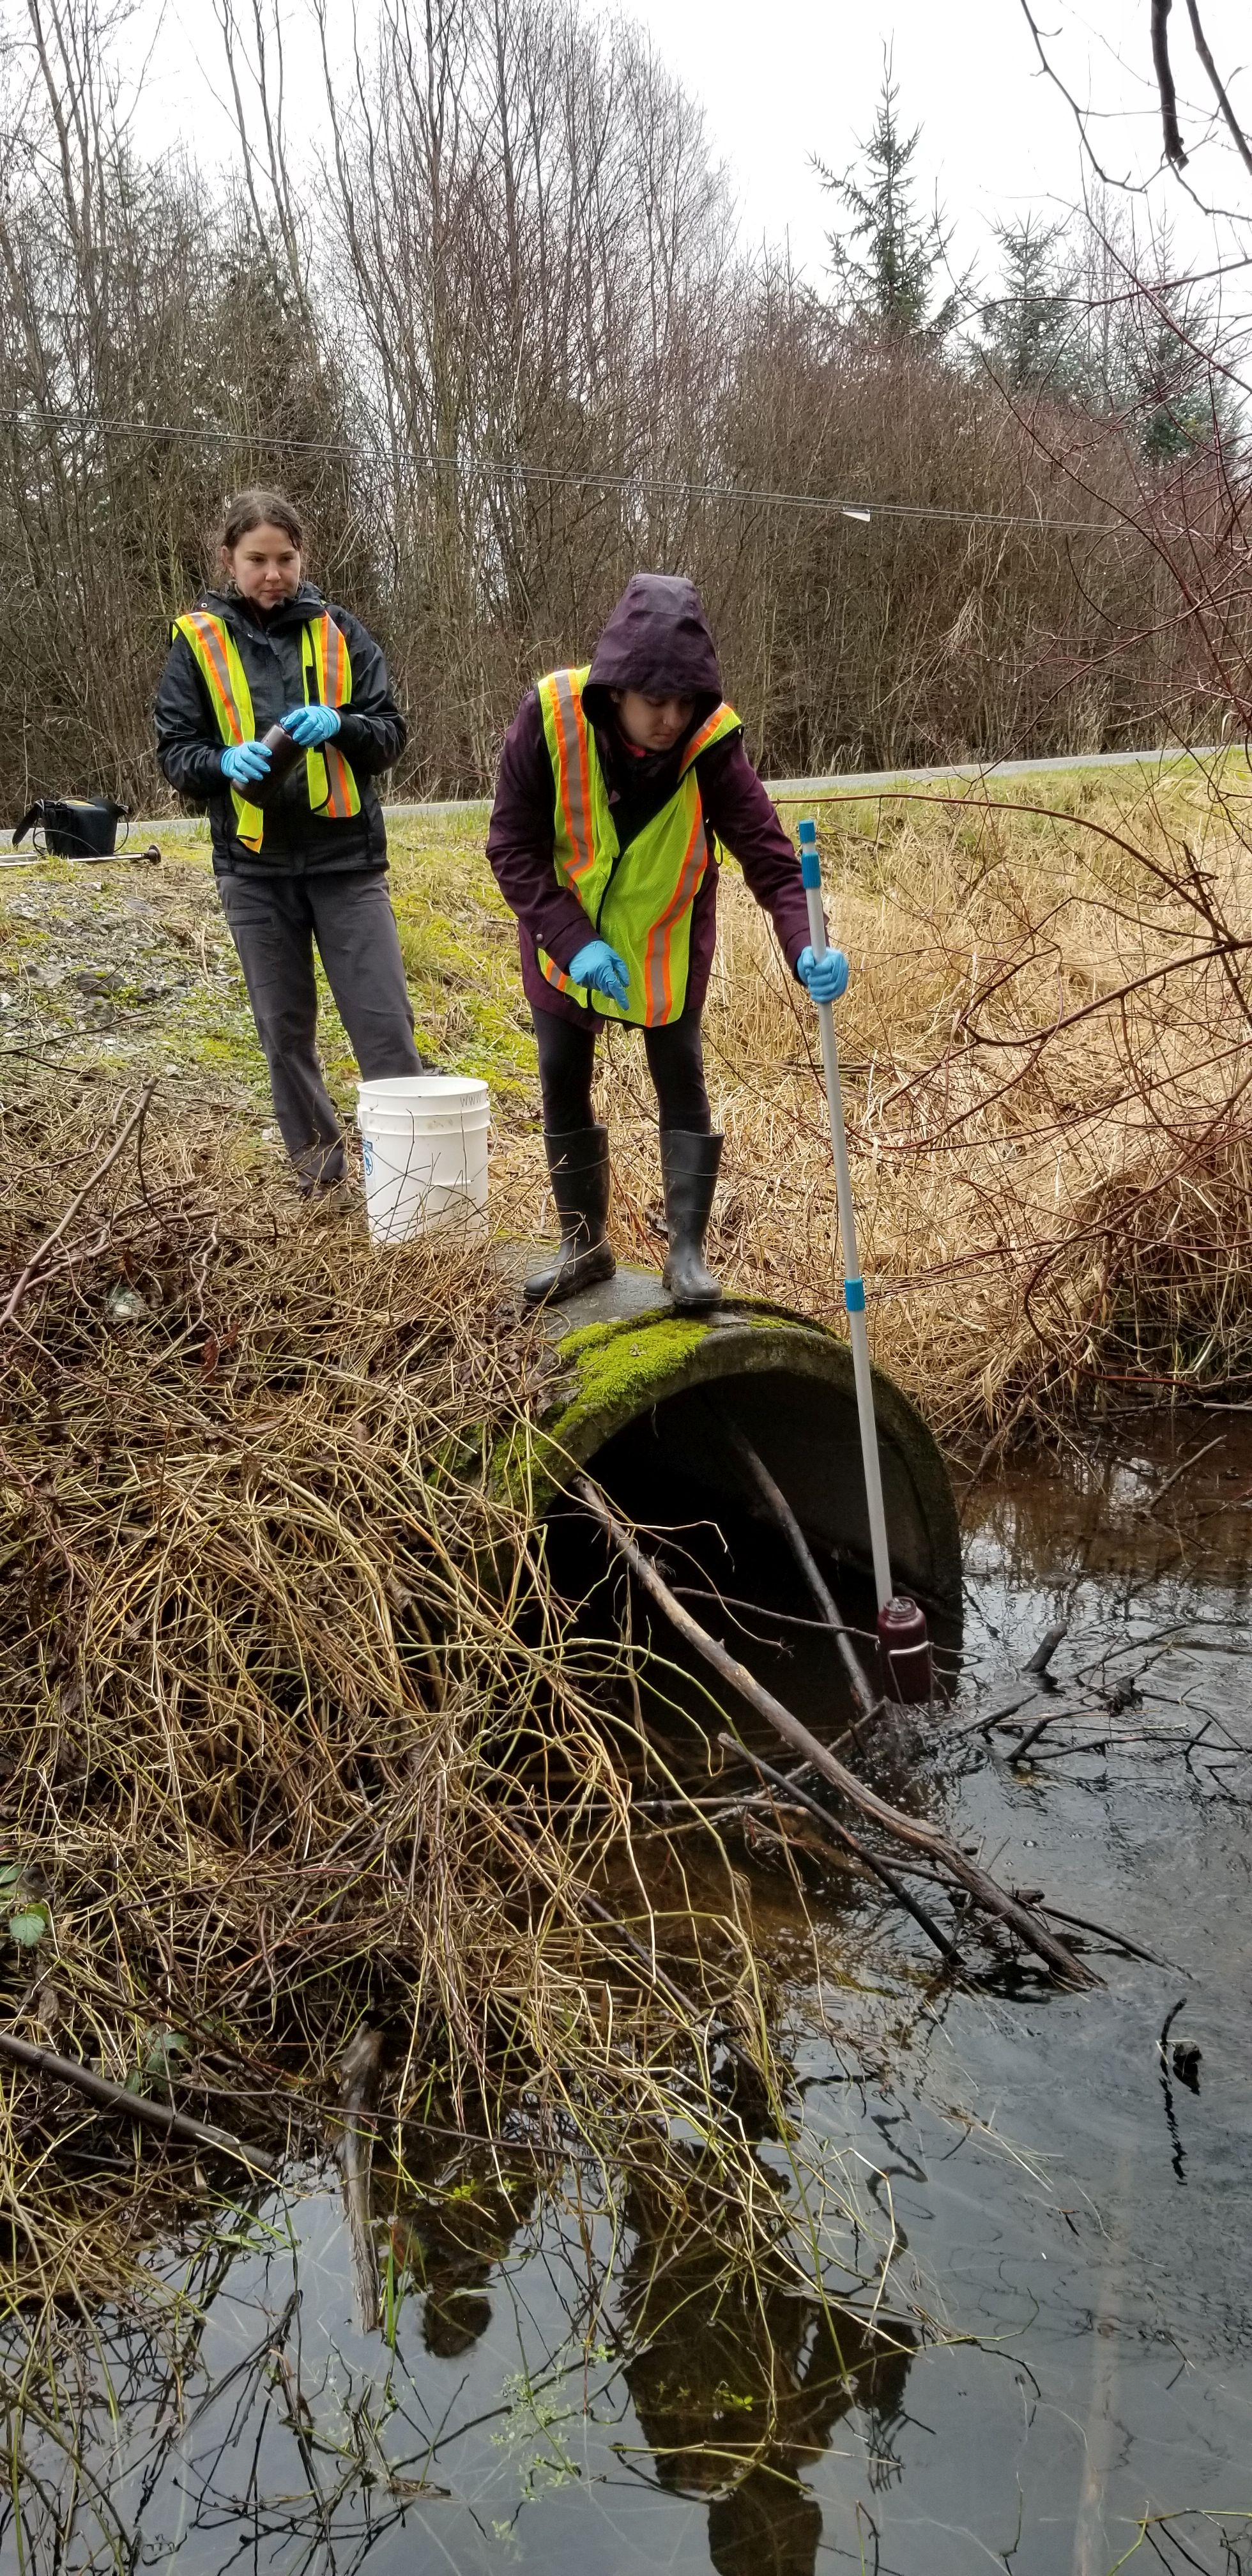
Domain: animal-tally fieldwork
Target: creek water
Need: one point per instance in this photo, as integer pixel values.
(1066, 2382)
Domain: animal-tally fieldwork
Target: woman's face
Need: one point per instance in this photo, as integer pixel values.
(652, 724)
(265, 566)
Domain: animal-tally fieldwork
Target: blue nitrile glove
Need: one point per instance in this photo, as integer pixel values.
(823, 978)
(600, 967)
(310, 725)
(245, 763)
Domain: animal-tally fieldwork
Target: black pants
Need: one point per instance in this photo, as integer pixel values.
(567, 1055)
(274, 922)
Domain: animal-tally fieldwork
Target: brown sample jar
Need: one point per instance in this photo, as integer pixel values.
(904, 1647)
(284, 752)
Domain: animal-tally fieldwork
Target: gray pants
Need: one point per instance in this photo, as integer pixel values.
(274, 922)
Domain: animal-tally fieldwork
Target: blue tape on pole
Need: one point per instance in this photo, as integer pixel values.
(854, 1296)
(810, 868)
(807, 832)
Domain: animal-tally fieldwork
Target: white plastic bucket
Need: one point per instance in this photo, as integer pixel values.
(424, 1147)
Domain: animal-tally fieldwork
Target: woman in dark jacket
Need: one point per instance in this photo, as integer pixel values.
(302, 856)
(615, 782)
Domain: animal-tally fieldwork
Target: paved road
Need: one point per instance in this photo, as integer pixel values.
(786, 791)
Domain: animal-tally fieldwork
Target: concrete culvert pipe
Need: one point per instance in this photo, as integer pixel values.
(645, 1400)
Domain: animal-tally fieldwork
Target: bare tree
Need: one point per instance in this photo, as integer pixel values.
(491, 324)
(1158, 54)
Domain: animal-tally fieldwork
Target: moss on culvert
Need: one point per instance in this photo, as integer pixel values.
(784, 1379)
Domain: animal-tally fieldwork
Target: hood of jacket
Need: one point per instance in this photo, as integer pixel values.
(656, 640)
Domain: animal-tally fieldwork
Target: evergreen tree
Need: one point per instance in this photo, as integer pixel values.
(1171, 396)
(1143, 353)
(885, 256)
(1028, 326)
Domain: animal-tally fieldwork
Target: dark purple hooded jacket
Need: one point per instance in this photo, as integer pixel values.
(657, 640)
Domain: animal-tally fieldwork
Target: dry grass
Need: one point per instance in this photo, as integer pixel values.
(296, 1738)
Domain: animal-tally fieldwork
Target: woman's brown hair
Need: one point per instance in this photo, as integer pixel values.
(260, 509)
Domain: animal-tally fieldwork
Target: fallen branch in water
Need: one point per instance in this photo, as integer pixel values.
(1006, 1707)
(1033, 1733)
(1058, 1914)
(1105, 1932)
(867, 1700)
(985, 1891)
(138, 2106)
(1046, 1648)
(852, 1842)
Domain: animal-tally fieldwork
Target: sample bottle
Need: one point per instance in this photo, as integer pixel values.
(904, 1646)
(284, 752)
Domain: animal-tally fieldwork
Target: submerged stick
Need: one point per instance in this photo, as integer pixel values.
(986, 1891)
(361, 2068)
(1046, 1648)
(138, 2106)
(1105, 1932)
(853, 1842)
(867, 1702)
(1033, 1733)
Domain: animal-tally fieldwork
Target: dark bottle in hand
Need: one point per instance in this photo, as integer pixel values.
(284, 752)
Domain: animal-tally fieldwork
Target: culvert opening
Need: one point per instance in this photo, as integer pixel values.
(674, 1470)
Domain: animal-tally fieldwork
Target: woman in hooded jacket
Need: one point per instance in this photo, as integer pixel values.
(300, 855)
(615, 782)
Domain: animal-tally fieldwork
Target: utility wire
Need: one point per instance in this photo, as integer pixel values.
(519, 469)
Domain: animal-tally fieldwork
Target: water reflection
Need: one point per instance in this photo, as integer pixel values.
(739, 2383)
(445, 2238)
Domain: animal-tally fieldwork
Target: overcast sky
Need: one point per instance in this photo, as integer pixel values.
(782, 80)
(798, 77)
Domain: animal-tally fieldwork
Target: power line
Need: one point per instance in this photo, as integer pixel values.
(520, 469)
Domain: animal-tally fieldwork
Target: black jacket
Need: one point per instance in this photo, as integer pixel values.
(371, 736)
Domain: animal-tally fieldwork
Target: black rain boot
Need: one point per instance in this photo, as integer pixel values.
(689, 1168)
(578, 1164)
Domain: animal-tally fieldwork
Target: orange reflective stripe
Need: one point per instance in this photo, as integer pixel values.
(555, 974)
(330, 653)
(573, 782)
(338, 668)
(216, 670)
(326, 653)
(332, 656)
(657, 967)
(339, 801)
(712, 725)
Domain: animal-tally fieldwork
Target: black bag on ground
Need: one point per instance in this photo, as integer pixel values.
(73, 827)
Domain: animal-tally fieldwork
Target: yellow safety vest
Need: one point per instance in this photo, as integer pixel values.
(324, 660)
(643, 907)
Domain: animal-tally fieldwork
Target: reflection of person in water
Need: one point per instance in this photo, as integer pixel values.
(446, 2240)
(738, 2384)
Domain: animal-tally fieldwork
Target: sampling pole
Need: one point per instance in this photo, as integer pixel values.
(906, 1656)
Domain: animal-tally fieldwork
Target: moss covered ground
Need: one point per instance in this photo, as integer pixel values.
(134, 962)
